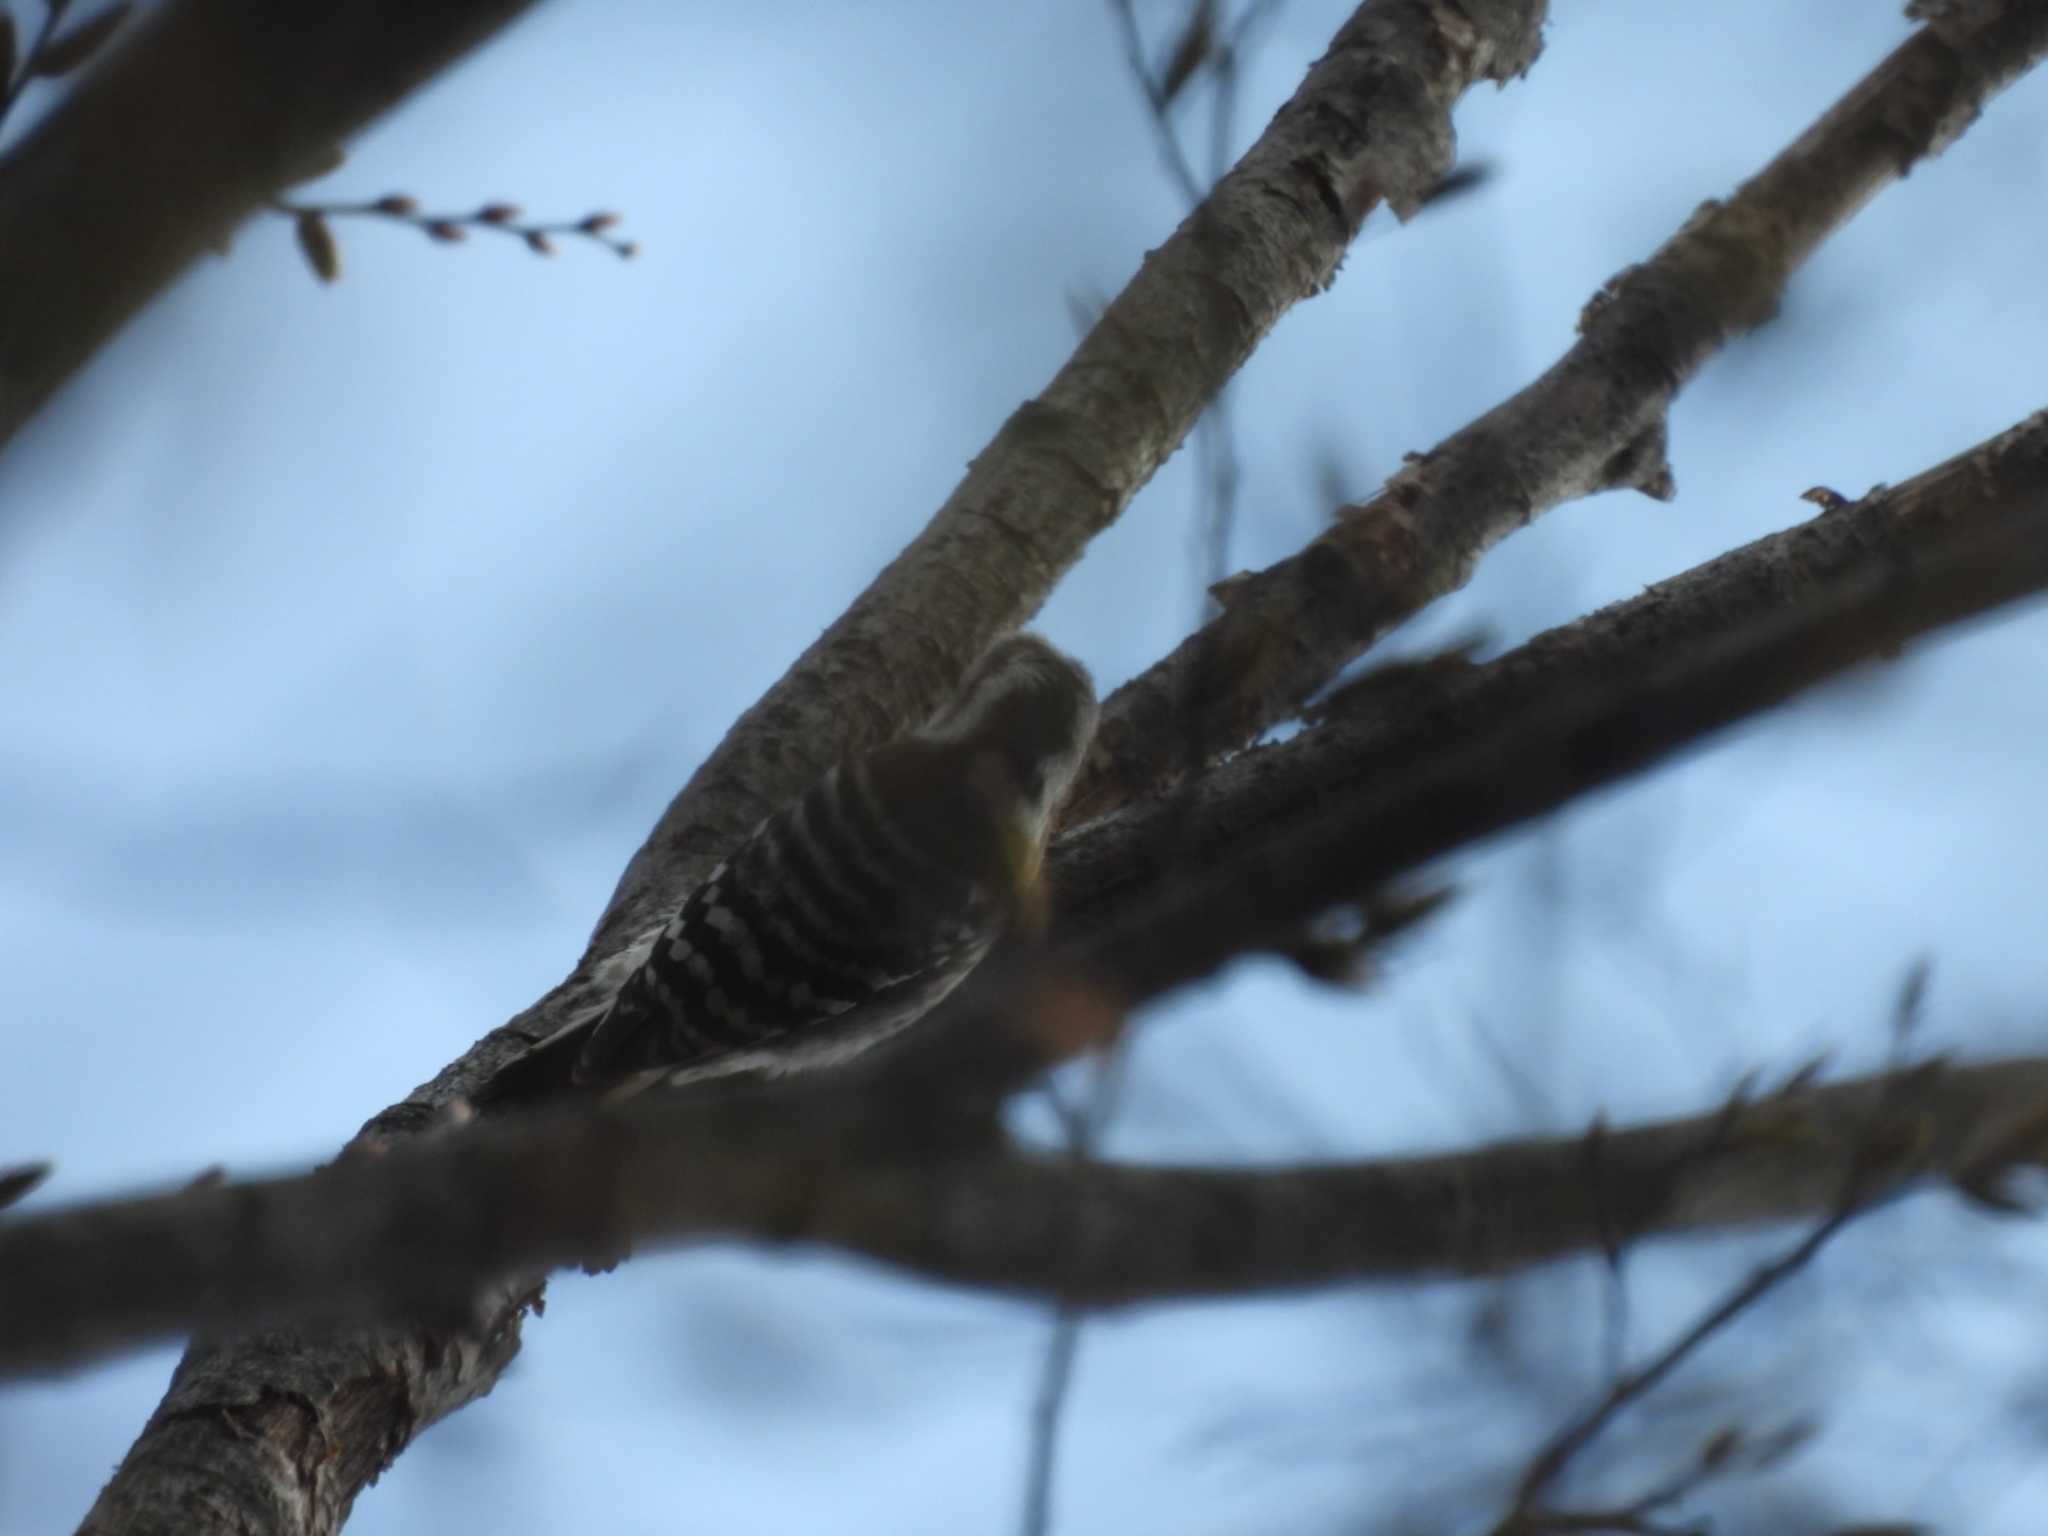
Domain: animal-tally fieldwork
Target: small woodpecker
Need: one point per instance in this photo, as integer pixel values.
(853, 910)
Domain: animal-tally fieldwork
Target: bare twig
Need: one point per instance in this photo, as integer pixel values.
(1549, 1463)
(1055, 1375)
(1222, 467)
(201, 112)
(316, 238)
(1727, 1451)
(1216, 445)
(1199, 49)
(1867, 1174)
(20, 69)
(53, 54)
(1157, 102)
(19, 1182)
(1085, 1129)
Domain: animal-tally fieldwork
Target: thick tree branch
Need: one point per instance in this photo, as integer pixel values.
(1853, 585)
(1750, 628)
(419, 1227)
(1595, 421)
(204, 112)
(249, 1432)
(1371, 123)
(421, 1230)
(1172, 887)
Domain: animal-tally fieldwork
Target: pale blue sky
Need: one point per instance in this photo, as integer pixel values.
(356, 636)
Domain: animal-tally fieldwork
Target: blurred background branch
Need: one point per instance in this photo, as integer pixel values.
(203, 110)
(417, 1234)
(704, 487)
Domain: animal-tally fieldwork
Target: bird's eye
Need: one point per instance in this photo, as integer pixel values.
(1026, 771)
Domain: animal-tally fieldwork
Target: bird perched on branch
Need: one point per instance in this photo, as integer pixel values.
(853, 910)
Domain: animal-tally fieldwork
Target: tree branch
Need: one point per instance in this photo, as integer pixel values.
(420, 1231)
(1595, 421)
(1371, 122)
(206, 110)
(415, 1231)
(1853, 585)
(1173, 887)
(249, 1432)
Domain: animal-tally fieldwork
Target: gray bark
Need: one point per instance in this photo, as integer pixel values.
(247, 1439)
(1594, 421)
(893, 1165)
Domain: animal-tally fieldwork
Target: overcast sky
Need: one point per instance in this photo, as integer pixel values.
(355, 636)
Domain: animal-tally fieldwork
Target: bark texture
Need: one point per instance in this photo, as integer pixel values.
(1595, 421)
(244, 1442)
(1396, 775)
(1629, 686)
(883, 1162)
(1370, 123)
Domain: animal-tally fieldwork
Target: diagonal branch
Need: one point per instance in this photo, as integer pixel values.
(1852, 586)
(1370, 123)
(853, 1160)
(1171, 888)
(281, 1434)
(1595, 421)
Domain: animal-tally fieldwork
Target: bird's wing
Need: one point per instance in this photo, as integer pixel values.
(818, 1043)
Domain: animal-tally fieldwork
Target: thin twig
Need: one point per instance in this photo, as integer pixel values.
(53, 55)
(1217, 447)
(499, 217)
(1054, 1377)
(1170, 152)
(1222, 469)
(19, 1182)
(1566, 1445)
(1862, 1179)
(26, 70)
(1085, 1130)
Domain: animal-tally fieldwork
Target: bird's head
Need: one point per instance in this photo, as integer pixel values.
(1026, 713)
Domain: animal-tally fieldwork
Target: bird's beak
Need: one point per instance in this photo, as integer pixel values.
(1023, 856)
